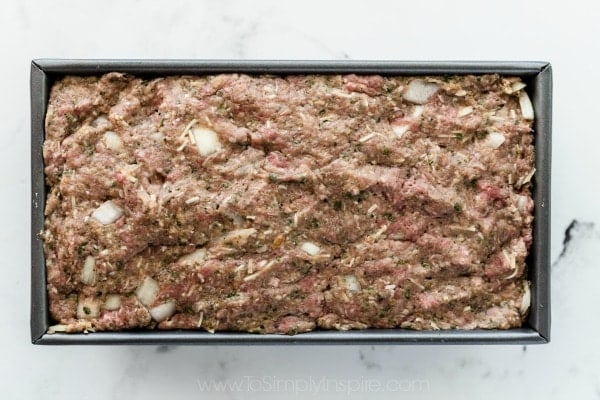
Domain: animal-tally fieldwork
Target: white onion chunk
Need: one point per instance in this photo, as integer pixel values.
(400, 130)
(419, 91)
(206, 140)
(239, 237)
(351, 283)
(494, 140)
(113, 141)
(113, 302)
(464, 111)
(310, 248)
(88, 308)
(194, 257)
(107, 213)
(88, 272)
(526, 300)
(526, 106)
(147, 291)
(163, 311)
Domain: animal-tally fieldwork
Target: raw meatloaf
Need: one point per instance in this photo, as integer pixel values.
(283, 204)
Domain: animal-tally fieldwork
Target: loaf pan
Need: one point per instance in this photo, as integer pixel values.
(537, 75)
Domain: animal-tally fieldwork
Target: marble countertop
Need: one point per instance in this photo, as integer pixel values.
(569, 367)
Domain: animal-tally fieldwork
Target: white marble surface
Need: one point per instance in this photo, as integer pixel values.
(565, 33)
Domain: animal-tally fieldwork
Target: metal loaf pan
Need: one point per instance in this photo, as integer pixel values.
(537, 75)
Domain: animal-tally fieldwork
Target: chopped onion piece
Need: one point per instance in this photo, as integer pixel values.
(239, 237)
(494, 140)
(463, 112)
(147, 291)
(195, 257)
(57, 328)
(236, 218)
(101, 120)
(522, 203)
(515, 87)
(525, 179)
(514, 273)
(310, 248)
(352, 283)
(157, 136)
(400, 130)
(206, 140)
(163, 311)
(113, 141)
(526, 106)
(417, 111)
(526, 300)
(107, 213)
(113, 302)
(511, 261)
(88, 273)
(419, 91)
(88, 308)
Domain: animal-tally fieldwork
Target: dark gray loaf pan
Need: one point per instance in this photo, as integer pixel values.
(538, 76)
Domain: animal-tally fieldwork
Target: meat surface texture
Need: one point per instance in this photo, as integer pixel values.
(284, 204)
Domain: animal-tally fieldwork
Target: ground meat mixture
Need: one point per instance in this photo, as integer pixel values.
(284, 204)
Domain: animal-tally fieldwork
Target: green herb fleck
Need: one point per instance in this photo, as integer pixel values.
(458, 207)
(90, 149)
(81, 249)
(472, 183)
(337, 205)
(481, 134)
(87, 310)
(358, 197)
(386, 151)
(293, 331)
